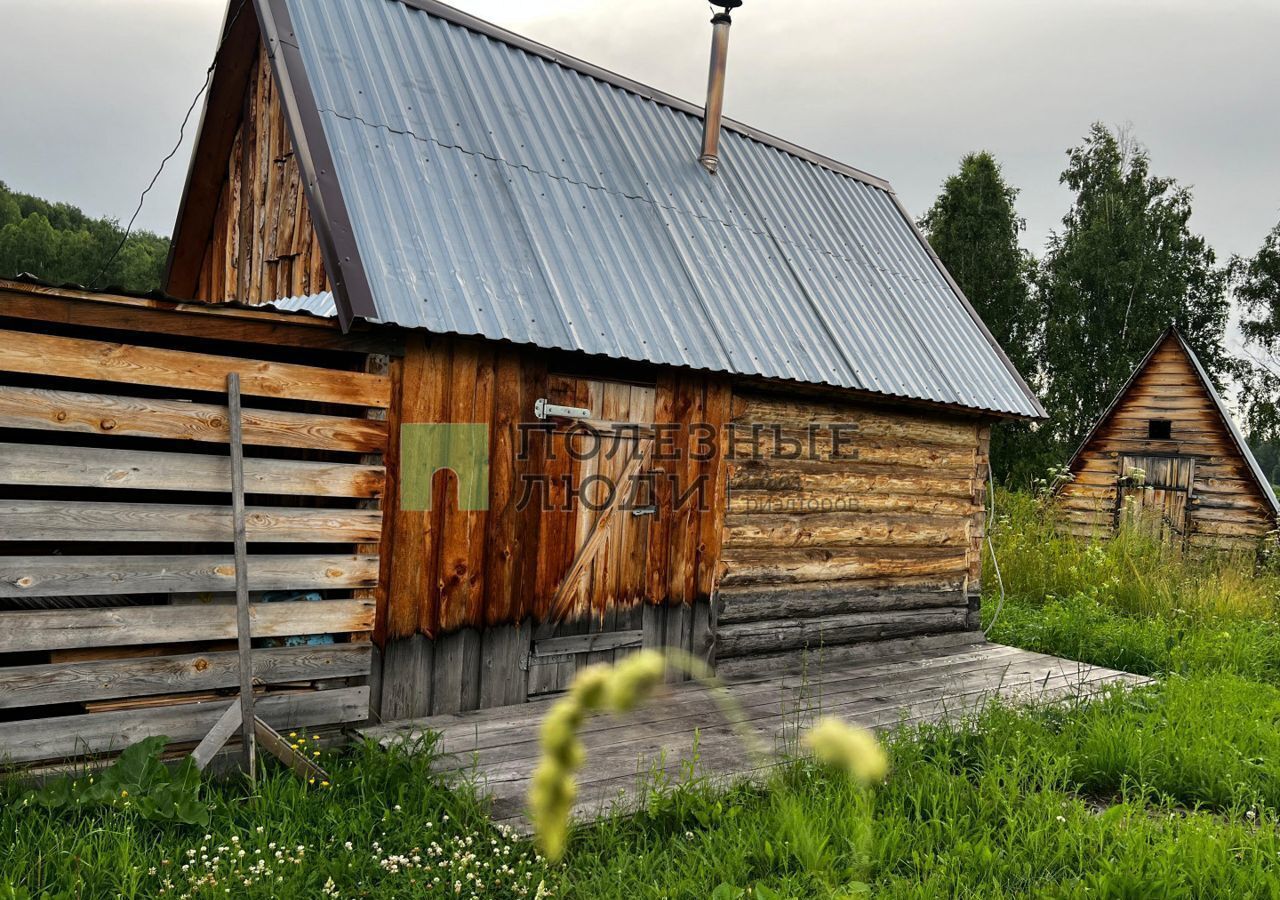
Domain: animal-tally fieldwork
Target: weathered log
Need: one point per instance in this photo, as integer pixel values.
(777, 635)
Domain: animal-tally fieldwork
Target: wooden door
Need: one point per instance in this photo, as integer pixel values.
(1154, 494)
(595, 530)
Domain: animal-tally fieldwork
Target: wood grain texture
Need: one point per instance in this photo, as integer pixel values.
(81, 681)
(51, 465)
(70, 576)
(64, 357)
(783, 635)
(813, 601)
(205, 321)
(89, 413)
(263, 245)
(110, 732)
(31, 630)
(68, 520)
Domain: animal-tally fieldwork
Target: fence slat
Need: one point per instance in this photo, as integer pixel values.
(108, 679)
(47, 465)
(87, 413)
(68, 520)
(62, 737)
(68, 629)
(92, 576)
(47, 354)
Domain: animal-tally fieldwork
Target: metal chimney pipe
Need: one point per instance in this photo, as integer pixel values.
(720, 22)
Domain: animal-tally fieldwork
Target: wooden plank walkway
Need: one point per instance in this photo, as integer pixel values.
(683, 733)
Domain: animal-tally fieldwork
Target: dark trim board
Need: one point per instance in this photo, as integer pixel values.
(315, 160)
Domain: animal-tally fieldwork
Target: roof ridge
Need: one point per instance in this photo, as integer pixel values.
(466, 20)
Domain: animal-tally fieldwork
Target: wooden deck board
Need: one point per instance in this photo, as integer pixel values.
(499, 747)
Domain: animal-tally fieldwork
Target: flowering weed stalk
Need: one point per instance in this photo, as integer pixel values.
(853, 753)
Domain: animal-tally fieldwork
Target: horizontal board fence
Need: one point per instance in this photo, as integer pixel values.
(117, 612)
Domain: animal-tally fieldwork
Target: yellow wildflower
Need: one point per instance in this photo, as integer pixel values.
(848, 747)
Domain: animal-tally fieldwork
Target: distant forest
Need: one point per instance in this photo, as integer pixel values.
(58, 243)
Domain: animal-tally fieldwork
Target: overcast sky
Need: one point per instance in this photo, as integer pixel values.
(93, 90)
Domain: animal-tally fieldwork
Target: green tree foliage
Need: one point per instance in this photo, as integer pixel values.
(1258, 293)
(1125, 266)
(1267, 452)
(59, 243)
(974, 227)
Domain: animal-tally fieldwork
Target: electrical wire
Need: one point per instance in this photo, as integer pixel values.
(995, 563)
(182, 134)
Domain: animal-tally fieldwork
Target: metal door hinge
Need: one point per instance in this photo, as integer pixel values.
(544, 410)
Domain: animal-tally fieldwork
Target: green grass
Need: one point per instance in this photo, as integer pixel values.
(382, 810)
(1169, 791)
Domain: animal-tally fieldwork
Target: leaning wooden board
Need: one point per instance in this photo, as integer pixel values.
(63, 737)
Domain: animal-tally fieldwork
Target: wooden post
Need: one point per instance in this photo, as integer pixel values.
(247, 729)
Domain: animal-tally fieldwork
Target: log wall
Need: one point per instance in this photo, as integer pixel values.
(263, 246)
(1225, 510)
(117, 615)
(851, 529)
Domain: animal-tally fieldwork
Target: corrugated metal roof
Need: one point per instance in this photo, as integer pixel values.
(494, 191)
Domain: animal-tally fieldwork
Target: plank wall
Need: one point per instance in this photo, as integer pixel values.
(833, 544)
(263, 246)
(466, 589)
(1226, 509)
(117, 615)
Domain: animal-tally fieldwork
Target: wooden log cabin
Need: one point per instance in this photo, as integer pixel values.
(745, 414)
(1167, 456)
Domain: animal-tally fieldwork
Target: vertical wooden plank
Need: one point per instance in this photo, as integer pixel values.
(448, 673)
(555, 549)
(375, 683)
(703, 631)
(687, 409)
(502, 540)
(244, 180)
(503, 681)
(711, 517)
(677, 635)
(661, 528)
(391, 514)
(241, 542)
(654, 626)
(472, 669)
(469, 400)
(407, 678)
(413, 591)
(528, 549)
